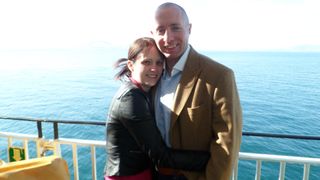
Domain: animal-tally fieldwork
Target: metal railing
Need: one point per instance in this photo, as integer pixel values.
(43, 144)
(283, 160)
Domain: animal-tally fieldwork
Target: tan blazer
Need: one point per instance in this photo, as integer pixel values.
(207, 115)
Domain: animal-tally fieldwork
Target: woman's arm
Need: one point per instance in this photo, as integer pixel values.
(137, 118)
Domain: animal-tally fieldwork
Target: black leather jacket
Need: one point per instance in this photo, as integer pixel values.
(133, 138)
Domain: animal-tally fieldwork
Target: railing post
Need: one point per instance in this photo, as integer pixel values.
(40, 135)
(38, 146)
(282, 170)
(57, 150)
(258, 170)
(235, 170)
(306, 171)
(93, 161)
(39, 127)
(75, 162)
(9, 145)
(26, 148)
(55, 130)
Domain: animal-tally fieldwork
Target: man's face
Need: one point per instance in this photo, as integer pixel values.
(171, 32)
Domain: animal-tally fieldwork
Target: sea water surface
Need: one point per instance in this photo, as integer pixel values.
(279, 91)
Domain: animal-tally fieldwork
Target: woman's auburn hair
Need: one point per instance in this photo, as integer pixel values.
(134, 50)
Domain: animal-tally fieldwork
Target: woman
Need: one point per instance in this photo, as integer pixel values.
(134, 143)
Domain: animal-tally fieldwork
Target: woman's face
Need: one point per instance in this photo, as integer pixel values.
(147, 68)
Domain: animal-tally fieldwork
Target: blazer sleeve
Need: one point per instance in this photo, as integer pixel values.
(227, 128)
(137, 118)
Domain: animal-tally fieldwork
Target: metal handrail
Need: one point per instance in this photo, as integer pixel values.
(282, 160)
(287, 136)
(259, 158)
(103, 123)
(55, 123)
(87, 122)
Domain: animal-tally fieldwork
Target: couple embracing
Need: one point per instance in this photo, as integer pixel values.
(177, 114)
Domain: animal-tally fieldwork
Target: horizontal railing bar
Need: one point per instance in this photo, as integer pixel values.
(82, 142)
(103, 123)
(18, 135)
(279, 158)
(288, 136)
(99, 123)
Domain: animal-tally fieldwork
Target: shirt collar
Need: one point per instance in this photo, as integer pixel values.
(181, 62)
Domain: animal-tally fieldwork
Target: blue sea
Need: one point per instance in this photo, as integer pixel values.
(279, 92)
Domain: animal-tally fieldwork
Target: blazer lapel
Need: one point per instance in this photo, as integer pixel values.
(186, 84)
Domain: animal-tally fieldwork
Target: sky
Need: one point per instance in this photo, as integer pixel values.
(228, 25)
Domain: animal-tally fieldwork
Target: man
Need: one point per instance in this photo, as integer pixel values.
(197, 104)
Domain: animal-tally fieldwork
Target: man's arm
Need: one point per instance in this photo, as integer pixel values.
(227, 129)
